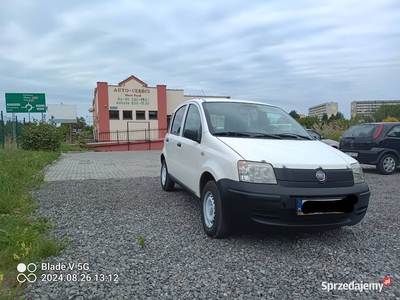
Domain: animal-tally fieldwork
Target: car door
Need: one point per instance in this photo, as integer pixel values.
(393, 138)
(190, 148)
(172, 142)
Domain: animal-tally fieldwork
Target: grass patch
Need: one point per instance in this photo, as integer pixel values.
(334, 129)
(22, 235)
(141, 240)
(9, 144)
(72, 147)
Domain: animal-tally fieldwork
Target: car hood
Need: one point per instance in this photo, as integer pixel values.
(298, 154)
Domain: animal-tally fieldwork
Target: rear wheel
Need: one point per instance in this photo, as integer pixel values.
(387, 164)
(214, 215)
(167, 183)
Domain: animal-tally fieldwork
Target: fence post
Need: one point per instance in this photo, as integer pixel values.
(127, 133)
(117, 138)
(3, 136)
(148, 127)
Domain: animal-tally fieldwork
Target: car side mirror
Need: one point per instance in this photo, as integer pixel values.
(192, 134)
(322, 137)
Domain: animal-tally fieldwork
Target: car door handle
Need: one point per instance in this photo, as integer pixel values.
(179, 144)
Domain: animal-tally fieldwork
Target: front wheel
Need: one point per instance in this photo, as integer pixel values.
(387, 164)
(214, 215)
(167, 183)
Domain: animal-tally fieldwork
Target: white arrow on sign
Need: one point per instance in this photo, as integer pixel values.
(30, 107)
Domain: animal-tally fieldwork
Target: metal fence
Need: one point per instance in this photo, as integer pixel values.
(10, 129)
(134, 135)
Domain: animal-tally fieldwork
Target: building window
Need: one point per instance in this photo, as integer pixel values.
(114, 114)
(140, 115)
(168, 120)
(127, 114)
(152, 115)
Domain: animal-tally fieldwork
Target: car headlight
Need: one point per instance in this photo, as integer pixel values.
(256, 172)
(358, 174)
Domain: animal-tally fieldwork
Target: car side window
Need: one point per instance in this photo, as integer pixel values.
(193, 121)
(394, 132)
(177, 122)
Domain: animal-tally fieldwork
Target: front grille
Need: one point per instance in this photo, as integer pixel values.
(304, 175)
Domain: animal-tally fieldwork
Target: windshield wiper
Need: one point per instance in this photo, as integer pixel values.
(250, 134)
(231, 133)
(266, 135)
(283, 135)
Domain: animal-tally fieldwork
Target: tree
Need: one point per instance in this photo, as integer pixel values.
(81, 121)
(324, 118)
(309, 121)
(339, 115)
(332, 118)
(294, 114)
(385, 111)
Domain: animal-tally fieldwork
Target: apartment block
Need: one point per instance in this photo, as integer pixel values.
(329, 108)
(368, 107)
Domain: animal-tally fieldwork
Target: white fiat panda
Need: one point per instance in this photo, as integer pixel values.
(253, 160)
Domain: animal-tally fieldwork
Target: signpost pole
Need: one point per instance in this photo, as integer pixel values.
(16, 130)
(14, 127)
(29, 116)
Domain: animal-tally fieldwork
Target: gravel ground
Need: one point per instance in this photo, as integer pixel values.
(104, 218)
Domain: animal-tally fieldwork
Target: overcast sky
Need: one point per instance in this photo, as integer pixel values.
(291, 53)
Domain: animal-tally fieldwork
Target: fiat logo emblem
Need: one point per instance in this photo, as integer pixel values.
(321, 176)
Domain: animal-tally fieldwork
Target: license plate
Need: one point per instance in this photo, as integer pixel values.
(300, 212)
(352, 154)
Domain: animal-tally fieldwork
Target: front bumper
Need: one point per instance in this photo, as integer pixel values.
(277, 205)
(368, 157)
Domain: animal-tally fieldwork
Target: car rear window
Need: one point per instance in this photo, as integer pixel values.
(364, 130)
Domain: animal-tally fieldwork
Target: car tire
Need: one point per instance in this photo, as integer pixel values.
(214, 215)
(167, 183)
(387, 164)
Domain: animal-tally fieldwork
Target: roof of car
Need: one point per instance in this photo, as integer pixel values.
(378, 123)
(229, 100)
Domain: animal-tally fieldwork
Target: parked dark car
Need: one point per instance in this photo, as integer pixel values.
(374, 144)
(321, 138)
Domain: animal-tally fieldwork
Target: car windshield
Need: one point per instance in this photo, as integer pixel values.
(238, 119)
(362, 130)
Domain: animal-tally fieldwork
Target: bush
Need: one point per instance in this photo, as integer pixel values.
(40, 136)
(334, 129)
(390, 119)
(81, 139)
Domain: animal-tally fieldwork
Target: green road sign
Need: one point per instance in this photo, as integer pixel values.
(25, 103)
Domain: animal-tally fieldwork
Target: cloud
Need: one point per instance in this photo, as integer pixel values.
(294, 54)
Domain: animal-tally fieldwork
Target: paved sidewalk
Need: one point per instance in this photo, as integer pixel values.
(108, 165)
(104, 165)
